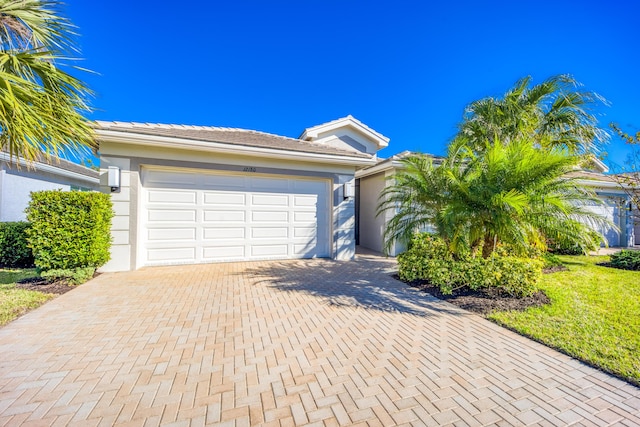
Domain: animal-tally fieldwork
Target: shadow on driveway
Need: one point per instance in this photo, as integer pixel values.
(365, 282)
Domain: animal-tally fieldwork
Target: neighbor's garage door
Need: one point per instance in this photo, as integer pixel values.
(195, 217)
(611, 211)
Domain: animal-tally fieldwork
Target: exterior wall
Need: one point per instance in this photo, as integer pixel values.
(637, 229)
(16, 186)
(344, 220)
(123, 225)
(371, 226)
(347, 140)
(130, 159)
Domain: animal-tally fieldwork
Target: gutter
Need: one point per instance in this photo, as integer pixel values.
(43, 167)
(217, 147)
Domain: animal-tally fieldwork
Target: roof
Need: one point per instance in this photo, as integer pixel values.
(393, 162)
(593, 176)
(221, 135)
(346, 122)
(52, 162)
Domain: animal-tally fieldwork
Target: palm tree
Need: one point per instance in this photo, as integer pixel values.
(552, 114)
(510, 193)
(40, 104)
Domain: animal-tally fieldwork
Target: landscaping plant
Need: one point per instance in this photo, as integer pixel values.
(41, 104)
(14, 249)
(626, 260)
(69, 230)
(429, 258)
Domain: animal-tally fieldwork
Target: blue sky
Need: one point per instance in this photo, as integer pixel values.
(405, 68)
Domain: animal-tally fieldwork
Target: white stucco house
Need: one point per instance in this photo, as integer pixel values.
(195, 194)
(191, 194)
(18, 179)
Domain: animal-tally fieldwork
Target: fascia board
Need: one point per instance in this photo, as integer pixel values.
(43, 167)
(380, 167)
(603, 184)
(244, 150)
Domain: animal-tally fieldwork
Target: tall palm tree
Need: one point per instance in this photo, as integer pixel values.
(41, 105)
(508, 193)
(552, 114)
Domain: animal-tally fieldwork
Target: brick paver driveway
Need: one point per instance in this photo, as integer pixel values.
(283, 343)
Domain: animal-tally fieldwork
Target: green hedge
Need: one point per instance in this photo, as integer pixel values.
(430, 259)
(69, 229)
(14, 250)
(626, 260)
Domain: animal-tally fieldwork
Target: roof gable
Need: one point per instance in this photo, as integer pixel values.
(348, 133)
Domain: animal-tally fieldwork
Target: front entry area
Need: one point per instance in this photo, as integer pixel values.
(197, 216)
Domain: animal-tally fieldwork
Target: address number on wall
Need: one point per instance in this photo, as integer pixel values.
(248, 169)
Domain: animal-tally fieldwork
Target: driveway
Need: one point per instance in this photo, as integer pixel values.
(285, 343)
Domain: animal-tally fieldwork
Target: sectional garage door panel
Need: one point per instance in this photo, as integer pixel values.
(191, 217)
(611, 211)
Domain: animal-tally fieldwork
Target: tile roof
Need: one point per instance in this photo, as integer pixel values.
(231, 136)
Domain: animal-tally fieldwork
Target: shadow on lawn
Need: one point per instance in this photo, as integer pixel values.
(365, 282)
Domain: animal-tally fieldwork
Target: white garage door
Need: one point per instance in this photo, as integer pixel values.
(195, 217)
(611, 211)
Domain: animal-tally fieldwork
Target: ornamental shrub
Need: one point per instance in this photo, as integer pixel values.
(74, 276)
(626, 260)
(69, 229)
(429, 258)
(14, 250)
(578, 240)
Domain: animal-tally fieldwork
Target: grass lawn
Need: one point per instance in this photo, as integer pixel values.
(15, 302)
(594, 315)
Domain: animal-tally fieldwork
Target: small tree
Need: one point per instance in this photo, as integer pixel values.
(514, 194)
(69, 229)
(629, 177)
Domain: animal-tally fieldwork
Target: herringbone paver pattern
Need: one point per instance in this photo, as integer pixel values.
(312, 342)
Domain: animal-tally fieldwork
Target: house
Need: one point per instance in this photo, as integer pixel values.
(194, 194)
(371, 181)
(18, 179)
(198, 194)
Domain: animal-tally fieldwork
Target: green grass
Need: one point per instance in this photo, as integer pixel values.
(15, 302)
(594, 315)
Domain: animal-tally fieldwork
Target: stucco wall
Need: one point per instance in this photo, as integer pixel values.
(16, 186)
(124, 251)
(371, 226)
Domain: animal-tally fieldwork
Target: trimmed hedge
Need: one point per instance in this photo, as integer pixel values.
(626, 260)
(430, 259)
(69, 229)
(14, 250)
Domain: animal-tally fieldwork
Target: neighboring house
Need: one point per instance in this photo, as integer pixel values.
(371, 181)
(18, 179)
(191, 194)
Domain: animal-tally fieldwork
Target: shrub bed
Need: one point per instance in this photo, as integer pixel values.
(430, 259)
(626, 260)
(14, 249)
(69, 230)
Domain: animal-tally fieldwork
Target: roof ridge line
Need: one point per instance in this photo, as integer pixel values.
(148, 125)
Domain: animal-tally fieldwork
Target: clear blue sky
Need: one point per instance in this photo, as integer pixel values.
(405, 68)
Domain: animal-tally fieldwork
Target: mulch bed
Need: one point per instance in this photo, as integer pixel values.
(43, 285)
(485, 301)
